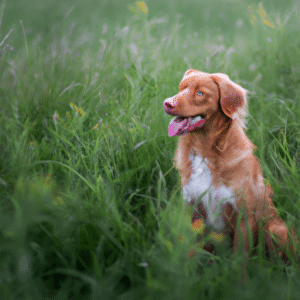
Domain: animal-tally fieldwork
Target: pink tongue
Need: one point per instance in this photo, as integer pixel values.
(180, 126)
(177, 126)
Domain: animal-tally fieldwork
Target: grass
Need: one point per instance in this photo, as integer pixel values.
(90, 202)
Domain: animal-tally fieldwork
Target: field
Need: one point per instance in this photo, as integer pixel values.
(90, 203)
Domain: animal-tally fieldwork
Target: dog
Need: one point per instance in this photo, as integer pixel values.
(218, 170)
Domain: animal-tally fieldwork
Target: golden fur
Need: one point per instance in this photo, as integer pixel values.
(222, 140)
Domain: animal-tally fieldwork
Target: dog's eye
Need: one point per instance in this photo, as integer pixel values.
(199, 93)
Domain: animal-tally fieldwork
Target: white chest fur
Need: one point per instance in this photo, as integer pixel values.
(212, 198)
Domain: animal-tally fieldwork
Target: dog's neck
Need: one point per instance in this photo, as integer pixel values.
(212, 136)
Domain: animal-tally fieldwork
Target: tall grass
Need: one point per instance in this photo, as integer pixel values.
(90, 205)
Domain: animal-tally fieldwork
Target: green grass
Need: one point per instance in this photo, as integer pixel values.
(90, 201)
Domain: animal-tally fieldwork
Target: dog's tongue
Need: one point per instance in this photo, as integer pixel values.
(180, 126)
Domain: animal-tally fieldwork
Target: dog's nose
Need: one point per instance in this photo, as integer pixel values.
(169, 104)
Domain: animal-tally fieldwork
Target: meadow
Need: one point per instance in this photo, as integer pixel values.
(90, 203)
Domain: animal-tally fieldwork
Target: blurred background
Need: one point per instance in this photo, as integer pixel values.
(90, 203)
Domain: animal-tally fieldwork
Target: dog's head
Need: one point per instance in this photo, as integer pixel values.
(200, 96)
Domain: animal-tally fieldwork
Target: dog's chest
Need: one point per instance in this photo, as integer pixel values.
(200, 188)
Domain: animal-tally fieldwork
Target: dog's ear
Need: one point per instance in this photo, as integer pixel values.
(189, 72)
(233, 99)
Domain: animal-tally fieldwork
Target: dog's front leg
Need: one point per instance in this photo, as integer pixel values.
(241, 236)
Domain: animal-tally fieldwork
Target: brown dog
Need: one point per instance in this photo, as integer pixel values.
(216, 162)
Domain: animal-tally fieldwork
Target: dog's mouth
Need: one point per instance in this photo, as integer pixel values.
(182, 125)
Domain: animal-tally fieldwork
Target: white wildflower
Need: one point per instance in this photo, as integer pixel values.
(133, 49)
(239, 23)
(125, 29)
